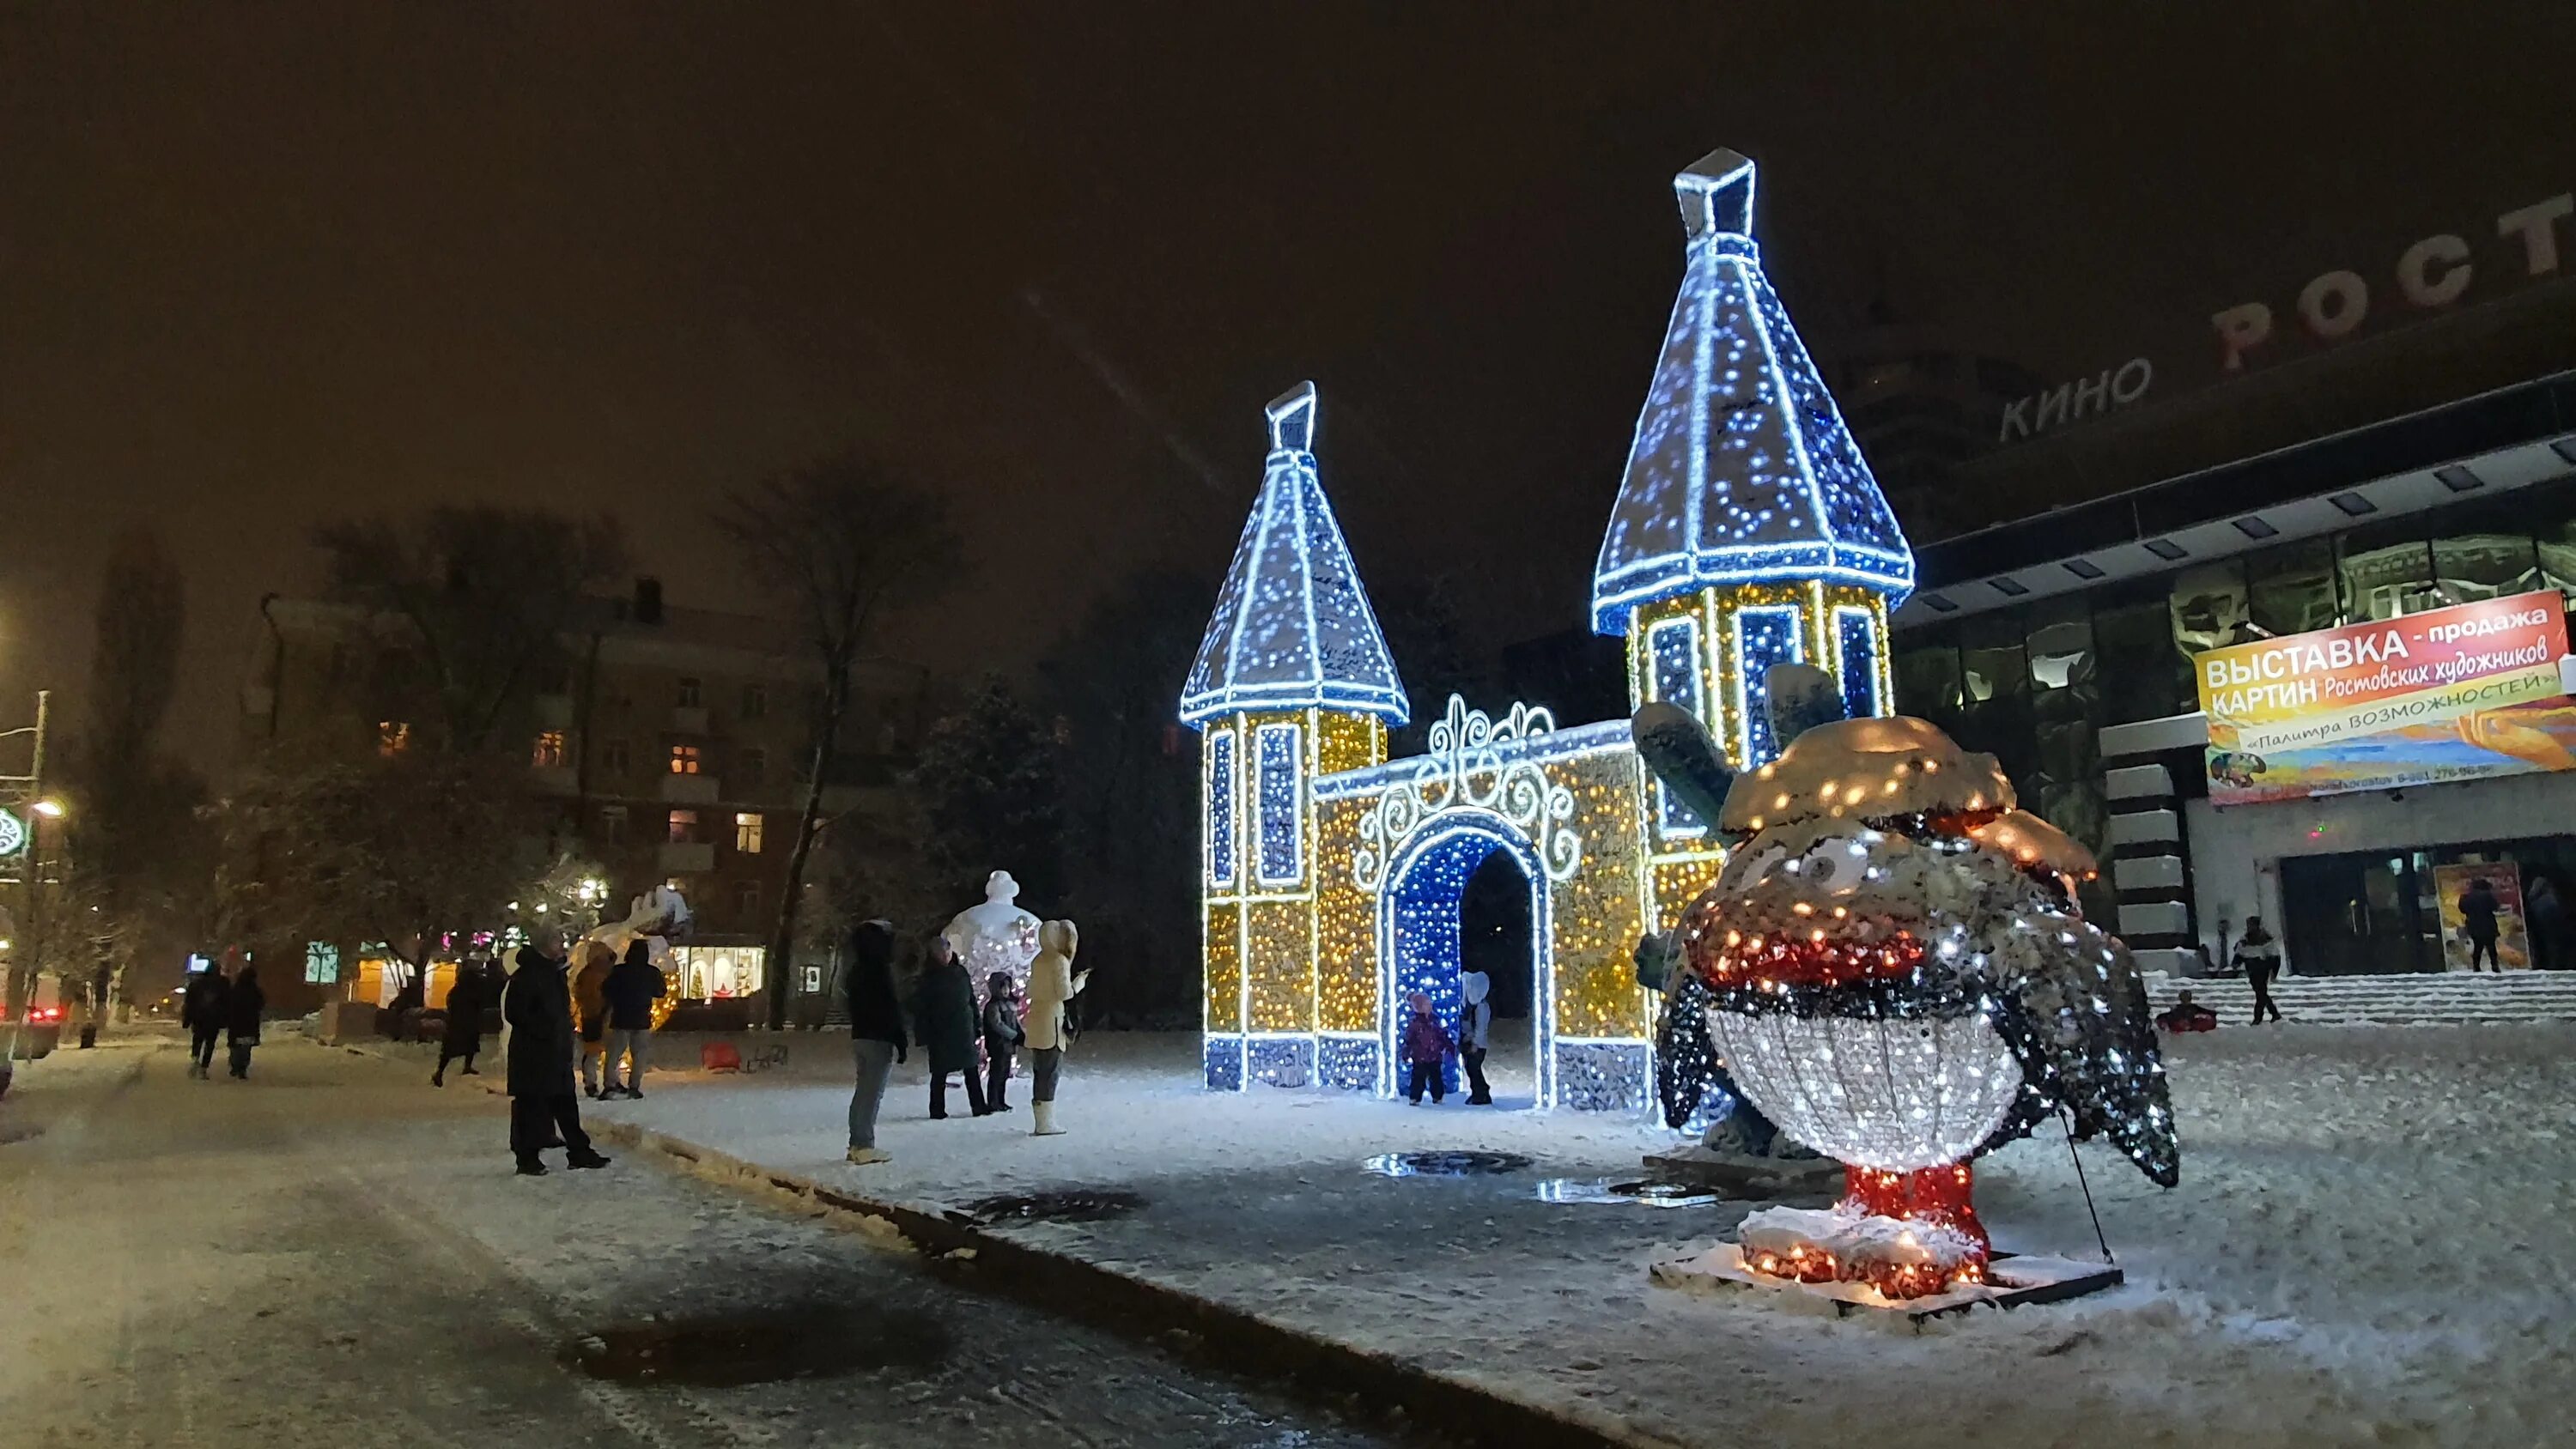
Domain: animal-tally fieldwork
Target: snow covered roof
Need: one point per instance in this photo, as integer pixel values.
(1742, 470)
(1293, 627)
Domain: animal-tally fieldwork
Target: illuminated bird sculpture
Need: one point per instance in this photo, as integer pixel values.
(1895, 969)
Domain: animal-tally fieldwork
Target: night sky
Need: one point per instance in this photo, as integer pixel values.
(263, 265)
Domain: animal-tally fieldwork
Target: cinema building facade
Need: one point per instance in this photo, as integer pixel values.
(2291, 646)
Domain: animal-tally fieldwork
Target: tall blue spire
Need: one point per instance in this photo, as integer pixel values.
(1742, 471)
(1292, 628)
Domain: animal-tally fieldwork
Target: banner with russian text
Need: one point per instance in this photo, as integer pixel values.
(2461, 693)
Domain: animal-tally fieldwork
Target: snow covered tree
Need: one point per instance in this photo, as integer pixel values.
(844, 543)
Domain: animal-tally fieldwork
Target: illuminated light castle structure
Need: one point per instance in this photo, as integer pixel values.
(1748, 532)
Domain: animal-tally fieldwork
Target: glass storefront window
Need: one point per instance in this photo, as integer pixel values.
(2291, 590)
(2209, 608)
(2385, 570)
(2470, 566)
(2142, 675)
(2060, 644)
(1992, 664)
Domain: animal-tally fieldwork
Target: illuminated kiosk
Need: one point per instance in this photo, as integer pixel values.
(1747, 532)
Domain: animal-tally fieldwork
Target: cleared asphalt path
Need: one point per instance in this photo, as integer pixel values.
(335, 1254)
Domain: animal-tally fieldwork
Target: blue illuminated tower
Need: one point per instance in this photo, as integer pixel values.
(1292, 681)
(1748, 530)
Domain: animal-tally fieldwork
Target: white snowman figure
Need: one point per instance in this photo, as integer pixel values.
(995, 936)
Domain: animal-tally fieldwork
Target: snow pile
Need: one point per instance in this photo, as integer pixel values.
(1814, 1246)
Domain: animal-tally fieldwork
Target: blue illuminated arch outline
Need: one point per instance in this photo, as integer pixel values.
(1444, 833)
(1752, 696)
(1673, 820)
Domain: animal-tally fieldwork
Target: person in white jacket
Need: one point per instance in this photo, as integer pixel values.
(1475, 1027)
(1053, 983)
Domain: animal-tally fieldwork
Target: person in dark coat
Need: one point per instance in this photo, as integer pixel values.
(1002, 1036)
(633, 985)
(201, 1011)
(877, 1041)
(242, 1006)
(2478, 923)
(2259, 957)
(944, 1011)
(464, 1034)
(537, 1004)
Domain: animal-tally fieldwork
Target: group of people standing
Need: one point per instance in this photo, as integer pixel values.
(952, 1029)
(612, 1002)
(215, 1005)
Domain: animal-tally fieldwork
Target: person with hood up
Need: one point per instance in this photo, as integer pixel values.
(463, 1036)
(943, 1011)
(2545, 918)
(537, 1005)
(1425, 1047)
(876, 1031)
(201, 1011)
(1053, 983)
(1002, 1035)
(633, 985)
(1475, 1025)
(592, 963)
(242, 1006)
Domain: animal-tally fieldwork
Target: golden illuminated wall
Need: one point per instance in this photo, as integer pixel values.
(1595, 913)
(1345, 923)
(1265, 959)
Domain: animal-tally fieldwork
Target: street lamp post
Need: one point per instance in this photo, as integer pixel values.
(28, 952)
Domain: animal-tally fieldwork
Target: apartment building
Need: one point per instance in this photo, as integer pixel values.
(675, 743)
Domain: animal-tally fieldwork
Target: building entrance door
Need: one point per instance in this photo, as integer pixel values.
(2355, 915)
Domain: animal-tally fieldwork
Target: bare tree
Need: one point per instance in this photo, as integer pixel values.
(844, 543)
(472, 606)
(131, 805)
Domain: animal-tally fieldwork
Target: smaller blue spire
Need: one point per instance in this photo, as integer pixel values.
(1293, 628)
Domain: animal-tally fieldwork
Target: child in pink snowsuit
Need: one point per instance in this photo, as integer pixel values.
(1425, 1045)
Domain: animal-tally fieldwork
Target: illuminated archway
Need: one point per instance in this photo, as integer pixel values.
(1419, 917)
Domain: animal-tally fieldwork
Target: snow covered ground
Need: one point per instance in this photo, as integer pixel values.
(2355, 1255)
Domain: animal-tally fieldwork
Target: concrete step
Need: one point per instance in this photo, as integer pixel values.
(2454, 999)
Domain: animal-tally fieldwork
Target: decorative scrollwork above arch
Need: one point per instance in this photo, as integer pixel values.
(1474, 763)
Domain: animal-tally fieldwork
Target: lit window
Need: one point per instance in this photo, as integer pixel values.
(691, 695)
(1672, 653)
(1856, 634)
(684, 827)
(1280, 803)
(755, 701)
(321, 963)
(1763, 637)
(684, 759)
(1220, 807)
(746, 832)
(550, 750)
(393, 736)
(612, 824)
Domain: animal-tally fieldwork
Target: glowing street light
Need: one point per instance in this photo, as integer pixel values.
(49, 808)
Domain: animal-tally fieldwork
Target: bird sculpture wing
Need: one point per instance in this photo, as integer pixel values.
(2075, 1015)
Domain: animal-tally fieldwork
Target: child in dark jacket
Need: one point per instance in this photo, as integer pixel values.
(1002, 1036)
(1426, 1045)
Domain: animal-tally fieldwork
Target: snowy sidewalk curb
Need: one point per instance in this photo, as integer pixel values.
(1243, 1342)
(1232, 1338)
